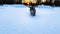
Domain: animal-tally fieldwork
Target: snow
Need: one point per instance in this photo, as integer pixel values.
(16, 19)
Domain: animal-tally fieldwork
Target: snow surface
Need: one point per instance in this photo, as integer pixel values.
(16, 19)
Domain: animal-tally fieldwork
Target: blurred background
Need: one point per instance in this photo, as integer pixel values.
(16, 19)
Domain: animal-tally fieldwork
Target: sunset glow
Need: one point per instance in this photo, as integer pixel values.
(43, 1)
(29, 1)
